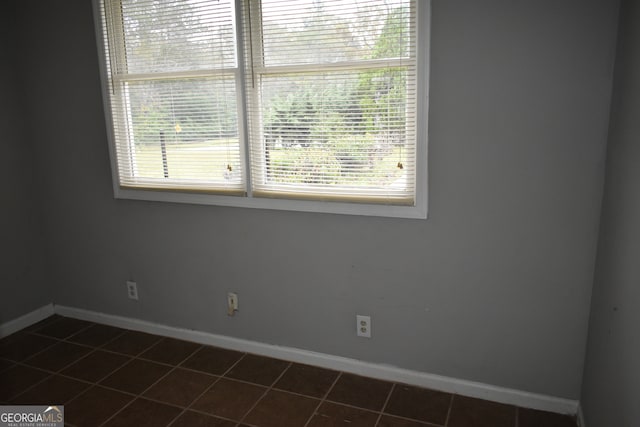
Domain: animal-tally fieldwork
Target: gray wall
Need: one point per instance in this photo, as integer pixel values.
(612, 373)
(22, 280)
(493, 287)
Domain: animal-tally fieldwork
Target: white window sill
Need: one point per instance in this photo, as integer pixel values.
(411, 212)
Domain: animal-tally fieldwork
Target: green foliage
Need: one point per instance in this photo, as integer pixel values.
(353, 152)
(289, 120)
(315, 165)
(203, 108)
(346, 128)
(384, 90)
(159, 106)
(350, 160)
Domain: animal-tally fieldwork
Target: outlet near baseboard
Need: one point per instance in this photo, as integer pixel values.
(363, 326)
(132, 290)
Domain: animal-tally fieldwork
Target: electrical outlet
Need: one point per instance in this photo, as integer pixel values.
(363, 326)
(232, 303)
(132, 290)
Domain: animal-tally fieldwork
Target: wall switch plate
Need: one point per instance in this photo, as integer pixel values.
(363, 326)
(232, 303)
(132, 290)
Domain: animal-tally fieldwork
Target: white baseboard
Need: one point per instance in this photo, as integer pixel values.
(380, 371)
(25, 321)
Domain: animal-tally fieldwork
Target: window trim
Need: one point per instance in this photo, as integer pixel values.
(417, 211)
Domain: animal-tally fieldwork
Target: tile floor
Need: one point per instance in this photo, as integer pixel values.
(107, 376)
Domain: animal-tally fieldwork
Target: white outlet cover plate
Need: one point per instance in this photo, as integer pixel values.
(132, 290)
(363, 326)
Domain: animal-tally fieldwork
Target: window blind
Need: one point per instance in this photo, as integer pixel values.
(173, 82)
(332, 99)
(307, 100)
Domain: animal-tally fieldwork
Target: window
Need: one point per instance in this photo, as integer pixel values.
(315, 105)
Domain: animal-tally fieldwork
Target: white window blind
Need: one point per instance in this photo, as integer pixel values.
(332, 113)
(174, 77)
(272, 99)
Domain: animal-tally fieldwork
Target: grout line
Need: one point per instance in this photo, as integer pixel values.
(446, 421)
(198, 411)
(260, 385)
(266, 391)
(386, 402)
(93, 350)
(102, 346)
(124, 331)
(180, 366)
(134, 395)
(51, 322)
(25, 365)
(198, 397)
(40, 351)
(152, 346)
(133, 356)
(32, 385)
(140, 395)
(117, 412)
(90, 324)
(66, 337)
(80, 394)
(59, 372)
(99, 347)
(10, 365)
(335, 402)
(51, 375)
(96, 382)
(219, 377)
(128, 393)
(197, 371)
(324, 398)
(78, 379)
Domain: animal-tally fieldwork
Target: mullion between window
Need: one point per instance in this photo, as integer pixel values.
(251, 18)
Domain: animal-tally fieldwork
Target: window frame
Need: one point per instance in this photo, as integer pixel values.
(417, 211)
